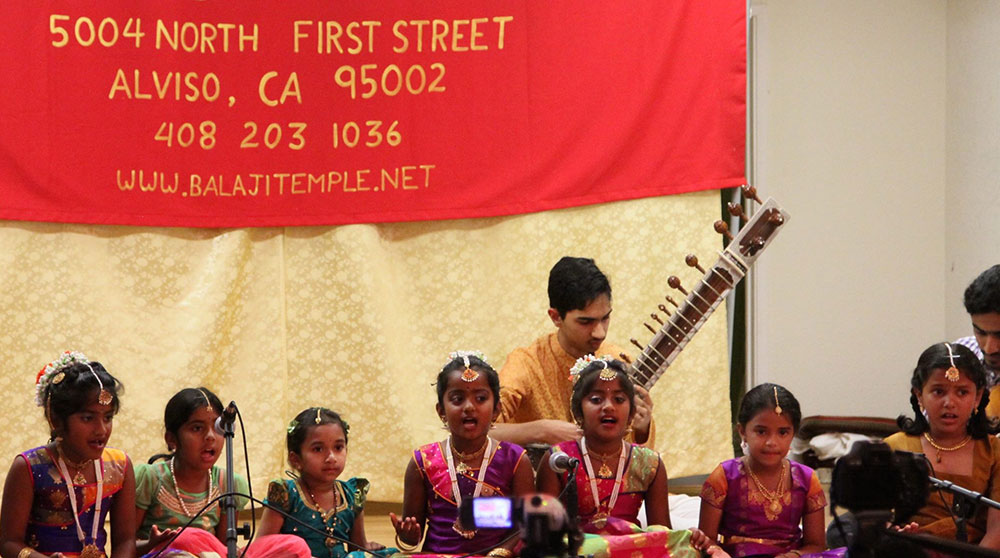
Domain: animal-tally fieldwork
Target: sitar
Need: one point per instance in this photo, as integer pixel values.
(687, 317)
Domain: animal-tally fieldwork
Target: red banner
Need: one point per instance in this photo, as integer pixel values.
(267, 113)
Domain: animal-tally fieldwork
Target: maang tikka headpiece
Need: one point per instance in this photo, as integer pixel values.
(951, 374)
(777, 406)
(468, 375)
(208, 402)
(104, 397)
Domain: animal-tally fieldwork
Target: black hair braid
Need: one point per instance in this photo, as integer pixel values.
(913, 426)
(981, 425)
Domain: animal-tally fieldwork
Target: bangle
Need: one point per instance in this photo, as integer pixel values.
(500, 552)
(405, 547)
(795, 552)
(25, 552)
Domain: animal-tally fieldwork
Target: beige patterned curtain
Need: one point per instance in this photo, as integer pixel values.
(356, 318)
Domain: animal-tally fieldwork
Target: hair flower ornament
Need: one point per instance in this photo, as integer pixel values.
(292, 426)
(468, 375)
(52, 373)
(607, 374)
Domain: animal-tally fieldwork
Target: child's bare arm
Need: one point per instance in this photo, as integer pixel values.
(18, 495)
(123, 517)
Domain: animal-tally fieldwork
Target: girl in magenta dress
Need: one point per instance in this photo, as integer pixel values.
(466, 464)
(754, 505)
(614, 478)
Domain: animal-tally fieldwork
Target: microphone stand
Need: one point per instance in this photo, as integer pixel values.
(572, 505)
(949, 547)
(964, 504)
(228, 501)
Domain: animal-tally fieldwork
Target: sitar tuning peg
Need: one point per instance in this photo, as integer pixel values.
(671, 301)
(637, 344)
(675, 283)
(723, 229)
(692, 261)
(650, 328)
(664, 309)
(625, 358)
(750, 192)
(736, 210)
(657, 318)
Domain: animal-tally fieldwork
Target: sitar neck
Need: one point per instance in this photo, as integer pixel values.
(694, 310)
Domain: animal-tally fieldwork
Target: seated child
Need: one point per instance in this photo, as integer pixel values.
(466, 464)
(614, 478)
(753, 505)
(57, 496)
(328, 511)
(182, 486)
(950, 425)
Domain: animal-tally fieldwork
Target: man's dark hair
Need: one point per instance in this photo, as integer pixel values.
(982, 296)
(574, 283)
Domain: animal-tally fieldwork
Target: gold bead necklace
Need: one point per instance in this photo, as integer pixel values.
(927, 436)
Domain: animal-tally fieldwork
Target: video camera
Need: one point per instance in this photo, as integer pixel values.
(873, 477)
(878, 486)
(541, 519)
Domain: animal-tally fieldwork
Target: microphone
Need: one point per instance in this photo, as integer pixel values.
(560, 462)
(227, 418)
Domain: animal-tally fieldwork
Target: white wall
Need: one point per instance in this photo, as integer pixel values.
(972, 201)
(849, 126)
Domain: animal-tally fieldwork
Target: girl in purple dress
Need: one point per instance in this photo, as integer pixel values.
(57, 497)
(754, 505)
(466, 464)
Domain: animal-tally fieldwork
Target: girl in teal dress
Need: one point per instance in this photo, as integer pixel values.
(334, 509)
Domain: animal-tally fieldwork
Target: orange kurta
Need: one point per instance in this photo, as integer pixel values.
(535, 382)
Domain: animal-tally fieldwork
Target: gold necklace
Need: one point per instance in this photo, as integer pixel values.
(325, 515)
(774, 497)
(940, 449)
(78, 477)
(336, 497)
(604, 472)
(462, 468)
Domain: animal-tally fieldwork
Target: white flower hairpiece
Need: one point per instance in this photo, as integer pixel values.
(585, 361)
(52, 373)
(464, 355)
